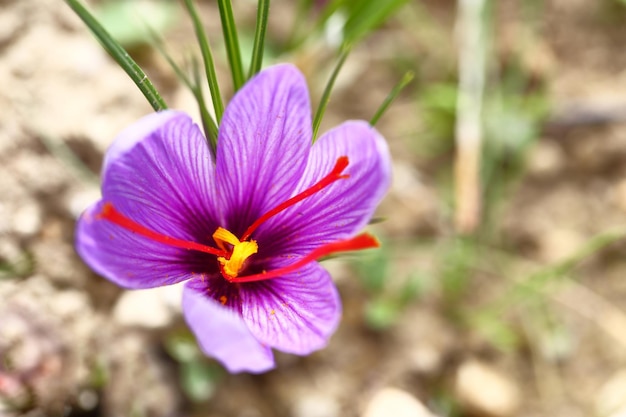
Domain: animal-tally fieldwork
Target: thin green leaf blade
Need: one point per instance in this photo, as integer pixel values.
(367, 16)
(319, 114)
(120, 55)
(406, 79)
(207, 57)
(259, 37)
(232, 42)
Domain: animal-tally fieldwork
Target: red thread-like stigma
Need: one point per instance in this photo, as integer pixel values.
(334, 175)
(363, 241)
(110, 213)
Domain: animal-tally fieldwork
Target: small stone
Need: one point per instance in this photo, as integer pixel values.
(316, 405)
(27, 220)
(88, 399)
(482, 390)
(546, 159)
(78, 201)
(559, 243)
(397, 403)
(153, 308)
(425, 359)
(619, 195)
(611, 399)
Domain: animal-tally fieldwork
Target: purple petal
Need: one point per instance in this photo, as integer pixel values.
(264, 140)
(343, 208)
(159, 173)
(222, 333)
(296, 313)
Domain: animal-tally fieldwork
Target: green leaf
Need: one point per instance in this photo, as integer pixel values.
(208, 123)
(198, 380)
(259, 37)
(367, 15)
(380, 313)
(210, 127)
(122, 18)
(120, 55)
(319, 114)
(207, 58)
(406, 79)
(232, 42)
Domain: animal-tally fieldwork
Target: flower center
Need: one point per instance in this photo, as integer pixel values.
(240, 253)
(233, 253)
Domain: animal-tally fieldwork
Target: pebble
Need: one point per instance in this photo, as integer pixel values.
(546, 159)
(559, 243)
(79, 200)
(316, 405)
(482, 390)
(394, 402)
(611, 398)
(619, 195)
(27, 220)
(153, 308)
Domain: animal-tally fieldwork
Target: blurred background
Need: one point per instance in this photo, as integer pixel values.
(500, 289)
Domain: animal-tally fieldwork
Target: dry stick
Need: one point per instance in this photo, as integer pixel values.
(468, 129)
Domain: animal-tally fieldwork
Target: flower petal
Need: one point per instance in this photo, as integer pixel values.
(222, 333)
(296, 313)
(264, 140)
(343, 208)
(159, 173)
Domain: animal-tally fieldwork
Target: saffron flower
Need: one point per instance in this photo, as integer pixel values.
(245, 232)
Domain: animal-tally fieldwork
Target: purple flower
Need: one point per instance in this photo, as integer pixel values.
(244, 232)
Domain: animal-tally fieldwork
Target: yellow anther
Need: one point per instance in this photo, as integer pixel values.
(222, 236)
(241, 252)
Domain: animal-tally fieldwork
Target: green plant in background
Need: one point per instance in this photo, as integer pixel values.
(19, 267)
(124, 19)
(345, 22)
(198, 378)
(388, 294)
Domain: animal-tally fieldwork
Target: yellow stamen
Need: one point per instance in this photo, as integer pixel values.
(222, 236)
(241, 252)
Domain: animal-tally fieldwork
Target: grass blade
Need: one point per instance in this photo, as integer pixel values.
(120, 55)
(232, 42)
(259, 37)
(207, 58)
(367, 15)
(208, 123)
(406, 79)
(319, 114)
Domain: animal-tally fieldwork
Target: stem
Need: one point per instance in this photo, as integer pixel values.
(469, 109)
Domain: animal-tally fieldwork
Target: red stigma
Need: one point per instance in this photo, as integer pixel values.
(334, 175)
(110, 213)
(360, 242)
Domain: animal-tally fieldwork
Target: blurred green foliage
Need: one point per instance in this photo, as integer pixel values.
(198, 375)
(20, 267)
(128, 21)
(388, 294)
